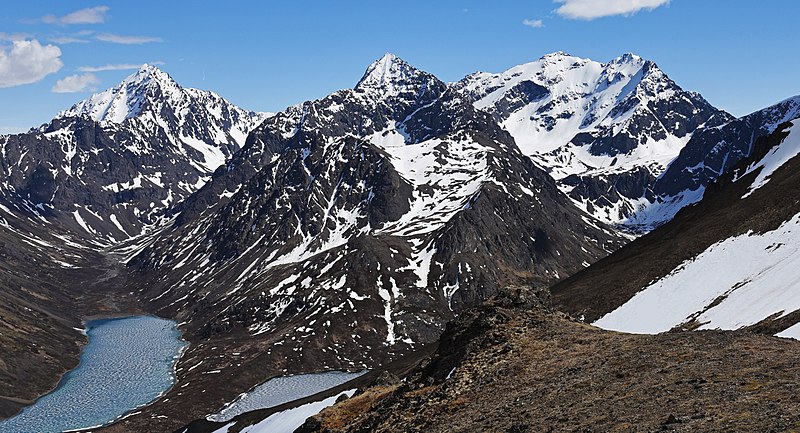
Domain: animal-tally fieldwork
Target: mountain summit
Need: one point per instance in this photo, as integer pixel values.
(150, 99)
(128, 98)
(604, 131)
(162, 140)
(391, 76)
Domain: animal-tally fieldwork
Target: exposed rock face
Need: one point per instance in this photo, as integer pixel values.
(429, 223)
(361, 223)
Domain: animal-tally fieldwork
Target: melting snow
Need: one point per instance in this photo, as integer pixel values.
(289, 420)
(752, 277)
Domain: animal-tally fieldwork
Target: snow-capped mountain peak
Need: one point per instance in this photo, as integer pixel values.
(385, 71)
(391, 76)
(162, 139)
(196, 120)
(591, 123)
(127, 99)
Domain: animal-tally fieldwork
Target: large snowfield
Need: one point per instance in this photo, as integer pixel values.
(734, 283)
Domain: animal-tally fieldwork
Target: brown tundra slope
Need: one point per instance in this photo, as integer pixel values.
(513, 366)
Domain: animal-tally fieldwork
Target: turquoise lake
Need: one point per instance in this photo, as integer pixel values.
(127, 363)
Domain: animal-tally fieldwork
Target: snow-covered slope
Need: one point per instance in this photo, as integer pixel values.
(731, 261)
(605, 131)
(737, 282)
(116, 163)
(734, 283)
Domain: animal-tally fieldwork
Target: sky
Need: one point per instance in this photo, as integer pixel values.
(263, 55)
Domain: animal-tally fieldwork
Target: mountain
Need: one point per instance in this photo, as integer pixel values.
(350, 229)
(199, 123)
(114, 164)
(728, 262)
(605, 131)
(346, 232)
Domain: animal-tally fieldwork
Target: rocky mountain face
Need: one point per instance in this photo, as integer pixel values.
(40, 307)
(349, 229)
(605, 131)
(115, 163)
(728, 262)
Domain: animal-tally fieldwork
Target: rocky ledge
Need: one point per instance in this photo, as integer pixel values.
(512, 365)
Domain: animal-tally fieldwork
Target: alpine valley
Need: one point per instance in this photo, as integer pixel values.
(416, 229)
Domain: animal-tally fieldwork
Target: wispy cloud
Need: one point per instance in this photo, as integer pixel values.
(14, 36)
(68, 40)
(76, 83)
(533, 23)
(592, 9)
(116, 67)
(128, 40)
(28, 62)
(95, 15)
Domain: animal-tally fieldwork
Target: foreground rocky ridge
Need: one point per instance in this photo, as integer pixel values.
(512, 366)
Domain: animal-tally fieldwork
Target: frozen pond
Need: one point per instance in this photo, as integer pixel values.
(128, 363)
(282, 390)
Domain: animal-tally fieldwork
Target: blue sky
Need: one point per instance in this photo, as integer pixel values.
(264, 55)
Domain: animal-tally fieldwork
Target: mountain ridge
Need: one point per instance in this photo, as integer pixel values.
(348, 230)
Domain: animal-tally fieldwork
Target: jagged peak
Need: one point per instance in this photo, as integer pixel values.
(628, 57)
(556, 54)
(384, 70)
(391, 74)
(126, 99)
(149, 74)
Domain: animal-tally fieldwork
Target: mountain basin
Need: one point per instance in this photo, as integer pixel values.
(127, 363)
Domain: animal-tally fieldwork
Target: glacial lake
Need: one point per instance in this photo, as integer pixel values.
(127, 363)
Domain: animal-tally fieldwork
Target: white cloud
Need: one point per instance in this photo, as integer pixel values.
(28, 62)
(76, 83)
(591, 9)
(533, 23)
(116, 67)
(95, 15)
(128, 40)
